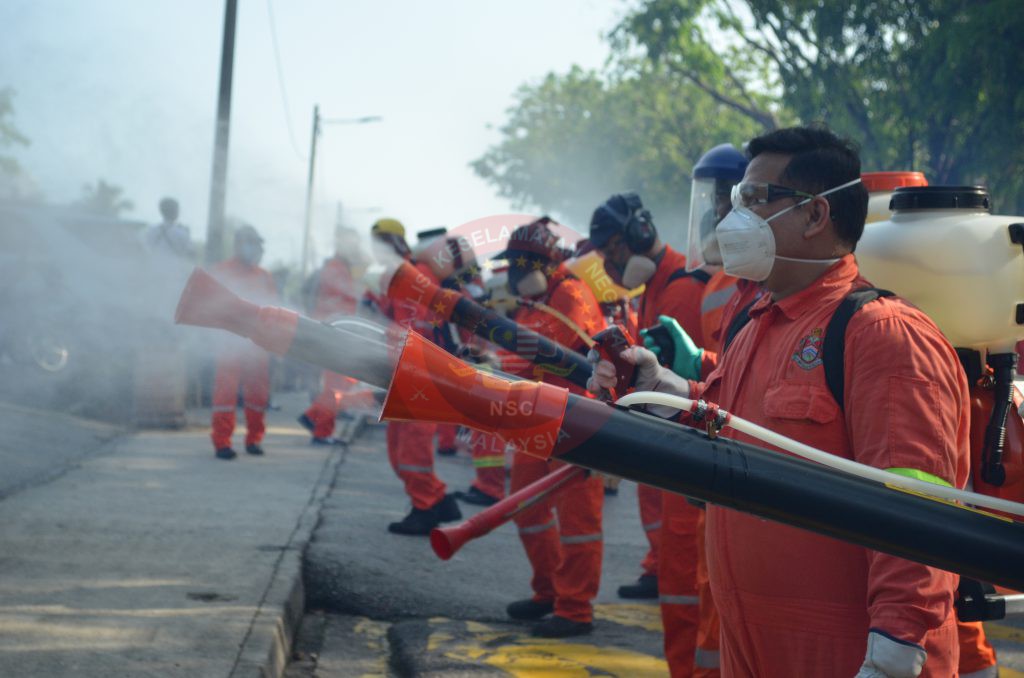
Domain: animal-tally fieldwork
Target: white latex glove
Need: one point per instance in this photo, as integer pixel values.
(890, 658)
(604, 375)
(650, 376)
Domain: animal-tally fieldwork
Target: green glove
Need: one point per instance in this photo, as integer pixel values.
(685, 355)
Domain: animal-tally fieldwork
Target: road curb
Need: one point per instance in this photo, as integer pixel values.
(267, 648)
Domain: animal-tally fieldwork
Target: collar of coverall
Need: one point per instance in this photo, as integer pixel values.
(832, 285)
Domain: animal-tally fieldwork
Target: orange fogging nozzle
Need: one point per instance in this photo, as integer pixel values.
(432, 385)
(441, 544)
(207, 303)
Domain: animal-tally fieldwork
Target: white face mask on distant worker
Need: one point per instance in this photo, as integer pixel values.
(639, 269)
(747, 243)
(533, 284)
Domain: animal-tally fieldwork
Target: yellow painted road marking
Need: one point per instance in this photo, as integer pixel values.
(646, 617)
(526, 657)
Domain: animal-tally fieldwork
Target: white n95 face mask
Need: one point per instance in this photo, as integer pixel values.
(533, 284)
(639, 269)
(747, 243)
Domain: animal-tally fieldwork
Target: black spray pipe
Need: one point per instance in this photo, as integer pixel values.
(431, 385)
(1004, 367)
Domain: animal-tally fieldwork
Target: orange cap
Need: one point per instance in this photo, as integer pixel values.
(888, 181)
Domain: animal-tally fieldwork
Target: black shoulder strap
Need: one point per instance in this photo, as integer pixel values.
(701, 275)
(738, 322)
(834, 345)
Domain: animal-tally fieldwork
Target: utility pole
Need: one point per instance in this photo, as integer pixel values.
(218, 179)
(317, 122)
(309, 193)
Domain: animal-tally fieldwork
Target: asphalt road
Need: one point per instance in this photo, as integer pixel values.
(384, 605)
(366, 587)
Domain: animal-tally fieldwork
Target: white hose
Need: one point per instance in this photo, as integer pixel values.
(831, 460)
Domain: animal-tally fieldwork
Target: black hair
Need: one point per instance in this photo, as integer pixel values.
(820, 161)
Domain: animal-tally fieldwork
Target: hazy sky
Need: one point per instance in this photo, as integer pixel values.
(126, 90)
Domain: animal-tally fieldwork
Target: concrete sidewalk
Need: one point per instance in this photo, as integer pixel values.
(150, 557)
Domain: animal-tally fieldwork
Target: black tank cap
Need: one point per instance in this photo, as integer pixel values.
(940, 197)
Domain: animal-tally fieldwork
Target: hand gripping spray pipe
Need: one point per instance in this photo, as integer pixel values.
(549, 422)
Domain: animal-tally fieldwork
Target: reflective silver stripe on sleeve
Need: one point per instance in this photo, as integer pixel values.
(582, 538)
(415, 469)
(708, 659)
(717, 299)
(679, 600)
(255, 408)
(223, 408)
(535, 529)
(652, 526)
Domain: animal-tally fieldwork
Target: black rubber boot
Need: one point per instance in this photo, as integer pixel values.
(418, 523)
(447, 509)
(560, 627)
(477, 497)
(645, 587)
(254, 449)
(529, 609)
(225, 453)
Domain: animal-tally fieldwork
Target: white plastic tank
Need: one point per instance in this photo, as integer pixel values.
(944, 252)
(880, 186)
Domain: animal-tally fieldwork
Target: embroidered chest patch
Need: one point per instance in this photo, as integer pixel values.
(808, 352)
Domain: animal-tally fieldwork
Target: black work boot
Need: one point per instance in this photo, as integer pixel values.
(225, 453)
(560, 627)
(447, 509)
(418, 523)
(530, 609)
(645, 587)
(254, 449)
(476, 496)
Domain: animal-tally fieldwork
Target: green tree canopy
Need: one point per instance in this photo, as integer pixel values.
(104, 199)
(933, 86)
(572, 140)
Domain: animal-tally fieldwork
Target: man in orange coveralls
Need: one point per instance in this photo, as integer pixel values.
(241, 362)
(336, 295)
(793, 603)
(624, 232)
(564, 552)
(411, 444)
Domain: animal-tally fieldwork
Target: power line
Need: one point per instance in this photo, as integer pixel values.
(280, 82)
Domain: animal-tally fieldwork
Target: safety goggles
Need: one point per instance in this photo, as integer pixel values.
(750, 193)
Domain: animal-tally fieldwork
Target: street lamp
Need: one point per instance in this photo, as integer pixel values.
(317, 121)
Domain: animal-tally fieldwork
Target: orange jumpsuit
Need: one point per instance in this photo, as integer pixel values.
(565, 553)
(793, 603)
(717, 313)
(411, 444)
(669, 521)
(335, 296)
(240, 362)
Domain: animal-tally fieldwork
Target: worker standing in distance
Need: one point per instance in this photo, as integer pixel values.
(335, 294)
(240, 362)
(903, 407)
(565, 551)
(410, 444)
(625, 235)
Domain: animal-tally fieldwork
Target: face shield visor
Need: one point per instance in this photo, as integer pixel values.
(709, 203)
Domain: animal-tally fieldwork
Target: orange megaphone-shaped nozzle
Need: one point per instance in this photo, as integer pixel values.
(447, 540)
(432, 385)
(207, 303)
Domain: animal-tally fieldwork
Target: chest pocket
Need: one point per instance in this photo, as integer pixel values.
(800, 402)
